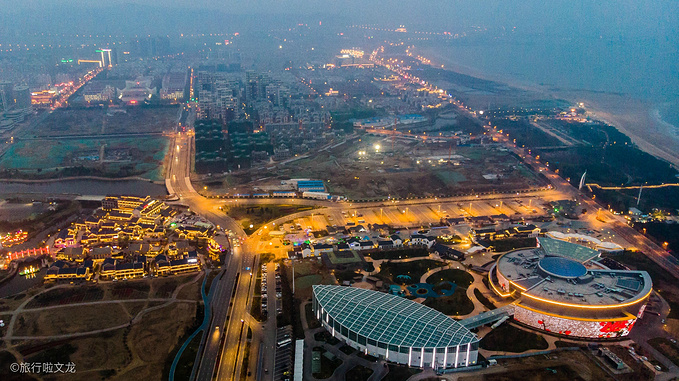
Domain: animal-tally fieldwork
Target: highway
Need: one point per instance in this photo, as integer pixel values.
(224, 345)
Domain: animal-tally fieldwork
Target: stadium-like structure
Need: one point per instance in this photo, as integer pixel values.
(394, 328)
(561, 287)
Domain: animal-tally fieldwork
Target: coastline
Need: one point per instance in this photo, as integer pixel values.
(640, 120)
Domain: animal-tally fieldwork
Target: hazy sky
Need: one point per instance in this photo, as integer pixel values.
(608, 17)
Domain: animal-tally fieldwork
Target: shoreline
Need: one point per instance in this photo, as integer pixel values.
(640, 120)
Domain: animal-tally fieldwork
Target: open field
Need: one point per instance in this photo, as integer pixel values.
(97, 120)
(456, 304)
(569, 365)
(17, 211)
(48, 158)
(136, 353)
(71, 319)
(368, 167)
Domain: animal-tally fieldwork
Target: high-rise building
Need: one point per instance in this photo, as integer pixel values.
(6, 95)
(218, 94)
(22, 97)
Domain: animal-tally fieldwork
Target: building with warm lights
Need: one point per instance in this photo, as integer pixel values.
(173, 86)
(561, 288)
(43, 97)
(136, 92)
(394, 328)
(96, 91)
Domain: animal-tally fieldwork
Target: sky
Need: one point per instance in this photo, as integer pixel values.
(553, 17)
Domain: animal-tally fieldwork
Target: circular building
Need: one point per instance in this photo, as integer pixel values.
(394, 328)
(561, 288)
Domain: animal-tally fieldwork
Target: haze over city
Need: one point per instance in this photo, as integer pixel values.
(339, 190)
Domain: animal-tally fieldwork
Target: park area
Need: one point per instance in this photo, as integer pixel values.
(444, 291)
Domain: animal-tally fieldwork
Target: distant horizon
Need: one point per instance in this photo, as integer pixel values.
(559, 17)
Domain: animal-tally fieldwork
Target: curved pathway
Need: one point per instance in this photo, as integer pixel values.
(478, 306)
(19, 310)
(201, 328)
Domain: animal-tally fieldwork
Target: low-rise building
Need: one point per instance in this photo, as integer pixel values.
(385, 244)
(72, 254)
(396, 239)
(420, 239)
(101, 253)
(321, 248)
(62, 270)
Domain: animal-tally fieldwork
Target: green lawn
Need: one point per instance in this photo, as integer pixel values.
(456, 304)
(259, 215)
(459, 277)
(326, 337)
(145, 155)
(347, 350)
(399, 254)
(552, 373)
(327, 366)
(485, 301)
(185, 364)
(400, 373)
(414, 269)
(310, 317)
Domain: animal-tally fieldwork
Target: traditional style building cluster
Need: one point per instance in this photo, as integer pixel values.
(130, 237)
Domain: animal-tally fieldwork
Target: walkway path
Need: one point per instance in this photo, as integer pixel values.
(206, 319)
(9, 337)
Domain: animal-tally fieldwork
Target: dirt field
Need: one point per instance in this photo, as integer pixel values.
(191, 291)
(152, 340)
(65, 320)
(105, 352)
(368, 168)
(137, 353)
(164, 287)
(73, 157)
(96, 120)
(573, 365)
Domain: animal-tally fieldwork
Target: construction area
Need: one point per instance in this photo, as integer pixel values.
(376, 166)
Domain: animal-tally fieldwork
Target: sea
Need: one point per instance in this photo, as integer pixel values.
(646, 69)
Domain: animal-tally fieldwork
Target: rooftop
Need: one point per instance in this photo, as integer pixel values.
(565, 283)
(561, 248)
(391, 319)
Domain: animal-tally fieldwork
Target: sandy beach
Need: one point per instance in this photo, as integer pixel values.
(638, 119)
